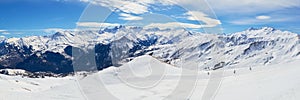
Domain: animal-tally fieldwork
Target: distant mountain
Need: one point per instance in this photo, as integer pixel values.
(115, 46)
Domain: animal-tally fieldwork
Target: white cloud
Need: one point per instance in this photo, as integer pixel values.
(251, 6)
(53, 30)
(2, 37)
(200, 16)
(220, 6)
(128, 6)
(3, 30)
(82, 26)
(263, 17)
(18, 33)
(96, 24)
(125, 16)
(176, 25)
(256, 21)
(138, 7)
(5, 33)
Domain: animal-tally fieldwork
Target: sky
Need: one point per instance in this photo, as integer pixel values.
(20, 18)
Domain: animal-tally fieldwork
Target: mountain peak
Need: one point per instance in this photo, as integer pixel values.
(268, 28)
(59, 33)
(112, 29)
(262, 28)
(62, 34)
(251, 29)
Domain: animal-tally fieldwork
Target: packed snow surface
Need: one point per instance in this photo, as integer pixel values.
(270, 82)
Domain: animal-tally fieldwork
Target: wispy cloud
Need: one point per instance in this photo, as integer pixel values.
(141, 6)
(242, 12)
(5, 33)
(96, 24)
(3, 30)
(138, 6)
(2, 37)
(251, 6)
(200, 16)
(125, 16)
(176, 25)
(53, 30)
(128, 9)
(257, 12)
(258, 20)
(263, 17)
(135, 7)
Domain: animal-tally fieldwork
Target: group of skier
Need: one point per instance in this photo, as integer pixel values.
(234, 71)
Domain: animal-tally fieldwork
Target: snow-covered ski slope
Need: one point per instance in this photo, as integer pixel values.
(271, 82)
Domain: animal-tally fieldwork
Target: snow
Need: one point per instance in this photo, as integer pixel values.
(14, 71)
(276, 82)
(271, 82)
(16, 88)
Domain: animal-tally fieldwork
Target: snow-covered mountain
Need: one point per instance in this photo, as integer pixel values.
(179, 47)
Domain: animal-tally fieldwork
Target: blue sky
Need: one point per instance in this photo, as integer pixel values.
(41, 17)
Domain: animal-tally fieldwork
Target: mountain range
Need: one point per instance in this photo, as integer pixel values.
(58, 53)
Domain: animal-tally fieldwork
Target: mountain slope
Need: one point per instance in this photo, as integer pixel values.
(179, 47)
(271, 82)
